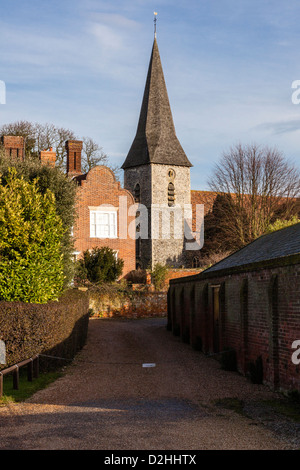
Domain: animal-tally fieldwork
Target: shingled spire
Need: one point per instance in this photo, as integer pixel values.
(156, 140)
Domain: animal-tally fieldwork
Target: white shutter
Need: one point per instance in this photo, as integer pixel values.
(113, 225)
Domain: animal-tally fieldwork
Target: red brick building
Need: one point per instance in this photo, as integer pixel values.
(102, 204)
(102, 210)
(249, 303)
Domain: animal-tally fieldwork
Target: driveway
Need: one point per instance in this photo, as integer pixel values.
(109, 400)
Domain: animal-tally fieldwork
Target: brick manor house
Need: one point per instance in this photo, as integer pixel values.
(99, 218)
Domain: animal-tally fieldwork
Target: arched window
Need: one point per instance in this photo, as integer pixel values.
(137, 193)
(196, 262)
(171, 195)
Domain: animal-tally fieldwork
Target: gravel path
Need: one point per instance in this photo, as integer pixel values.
(107, 400)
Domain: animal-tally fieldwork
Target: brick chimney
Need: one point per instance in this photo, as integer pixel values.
(74, 148)
(48, 157)
(13, 146)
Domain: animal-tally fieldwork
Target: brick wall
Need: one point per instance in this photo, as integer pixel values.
(259, 317)
(134, 305)
(99, 187)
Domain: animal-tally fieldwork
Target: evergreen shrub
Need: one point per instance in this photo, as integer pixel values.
(31, 262)
(99, 265)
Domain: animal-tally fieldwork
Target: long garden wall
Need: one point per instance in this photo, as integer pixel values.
(255, 313)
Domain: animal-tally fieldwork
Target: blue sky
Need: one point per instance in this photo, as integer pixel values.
(228, 64)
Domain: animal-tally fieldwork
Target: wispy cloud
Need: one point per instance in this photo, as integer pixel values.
(280, 127)
(113, 32)
(35, 53)
(112, 44)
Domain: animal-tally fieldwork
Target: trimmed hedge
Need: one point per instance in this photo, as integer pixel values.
(58, 328)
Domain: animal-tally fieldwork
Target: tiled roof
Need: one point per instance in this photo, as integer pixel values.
(203, 197)
(284, 242)
(156, 140)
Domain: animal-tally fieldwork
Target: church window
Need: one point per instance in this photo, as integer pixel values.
(137, 193)
(171, 195)
(171, 174)
(196, 262)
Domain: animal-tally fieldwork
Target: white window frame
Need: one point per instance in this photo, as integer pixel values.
(99, 228)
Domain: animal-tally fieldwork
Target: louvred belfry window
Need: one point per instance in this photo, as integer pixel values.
(171, 195)
(137, 193)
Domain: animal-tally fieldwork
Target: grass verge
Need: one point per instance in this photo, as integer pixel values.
(286, 407)
(26, 389)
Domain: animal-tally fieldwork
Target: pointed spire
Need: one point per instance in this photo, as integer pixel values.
(156, 140)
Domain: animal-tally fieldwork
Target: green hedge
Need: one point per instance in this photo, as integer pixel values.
(58, 328)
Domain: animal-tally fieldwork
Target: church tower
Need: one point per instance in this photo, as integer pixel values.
(157, 173)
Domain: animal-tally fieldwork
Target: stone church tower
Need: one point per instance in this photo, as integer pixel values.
(157, 173)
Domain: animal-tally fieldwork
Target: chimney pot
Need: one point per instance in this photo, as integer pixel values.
(48, 157)
(13, 146)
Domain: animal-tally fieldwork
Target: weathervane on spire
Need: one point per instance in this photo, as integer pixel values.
(155, 20)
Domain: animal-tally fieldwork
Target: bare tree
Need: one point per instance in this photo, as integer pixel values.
(257, 186)
(22, 128)
(92, 154)
(62, 135)
(116, 169)
(45, 136)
